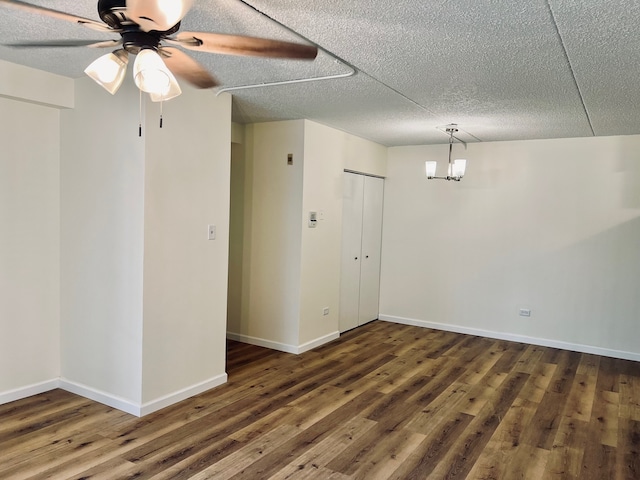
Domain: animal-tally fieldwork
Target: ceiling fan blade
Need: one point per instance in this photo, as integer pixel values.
(241, 45)
(27, 7)
(68, 43)
(157, 15)
(187, 68)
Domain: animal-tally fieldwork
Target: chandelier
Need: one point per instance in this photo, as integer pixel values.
(456, 168)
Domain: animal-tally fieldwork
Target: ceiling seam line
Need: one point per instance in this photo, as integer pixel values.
(414, 102)
(340, 59)
(573, 73)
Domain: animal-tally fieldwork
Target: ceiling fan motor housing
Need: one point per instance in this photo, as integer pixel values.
(134, 39)
(114, 14)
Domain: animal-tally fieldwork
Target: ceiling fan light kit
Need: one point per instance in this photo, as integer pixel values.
(456, 168)
(144, 25)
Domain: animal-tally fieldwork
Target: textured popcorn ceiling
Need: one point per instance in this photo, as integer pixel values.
(502, 70)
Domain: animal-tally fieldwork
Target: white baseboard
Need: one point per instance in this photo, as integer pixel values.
(28, 391)
(183, 394)
(102, 397)
(544, 342)
(261, 342)
(282, 347)
(135, 408)
(305, 347)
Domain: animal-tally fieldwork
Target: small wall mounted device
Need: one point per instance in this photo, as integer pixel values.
(313, 219)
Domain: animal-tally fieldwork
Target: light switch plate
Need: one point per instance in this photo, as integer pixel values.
(211, 232)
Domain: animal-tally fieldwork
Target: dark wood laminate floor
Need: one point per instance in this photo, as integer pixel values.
(383, 401)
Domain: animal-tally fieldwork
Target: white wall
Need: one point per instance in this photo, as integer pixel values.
(185, 275)
(272, 243)
(29, 248)
(289, 272)
(550, 225)
(102, 215)
(236, 236)
(364, 156)
(35, 86)
(325, 155)
(143, 290)
(84, 223)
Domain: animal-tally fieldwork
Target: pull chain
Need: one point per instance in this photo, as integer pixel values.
(161, 104)
(140, 116)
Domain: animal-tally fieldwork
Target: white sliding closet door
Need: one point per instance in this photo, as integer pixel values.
(371, 246)
(353, 192)
(361, 245)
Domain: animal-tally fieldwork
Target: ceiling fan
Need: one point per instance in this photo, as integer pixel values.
(149, 29)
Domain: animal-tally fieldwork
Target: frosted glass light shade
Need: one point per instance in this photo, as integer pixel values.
(459, 167)
(152, 76)
(430, 168)
(158, 15)
(109, 70)
(173, 91)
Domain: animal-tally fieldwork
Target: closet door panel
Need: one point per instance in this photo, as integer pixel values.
(371, 247)
(351, 248)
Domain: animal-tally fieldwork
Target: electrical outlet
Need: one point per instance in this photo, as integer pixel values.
(325, 311)
(524, 312)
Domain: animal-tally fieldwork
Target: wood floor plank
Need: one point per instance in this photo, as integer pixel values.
(500, 459)
(195, 463)
(382, 401)
(628, 458)
(465, 451)
(589, 364)
(630, 397)
(530, 359)
(444, 405)
(385, 457)
(544, 425)
(319, 455)
(581, 398)
(598, 461)
(294, 447)
(363, 457)
(45, 459)
(530, 463)
(565, 460)
(428, 455)
(482, 392)
(397, 371)
(481, 366)
(536, 388)
(243, 458)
